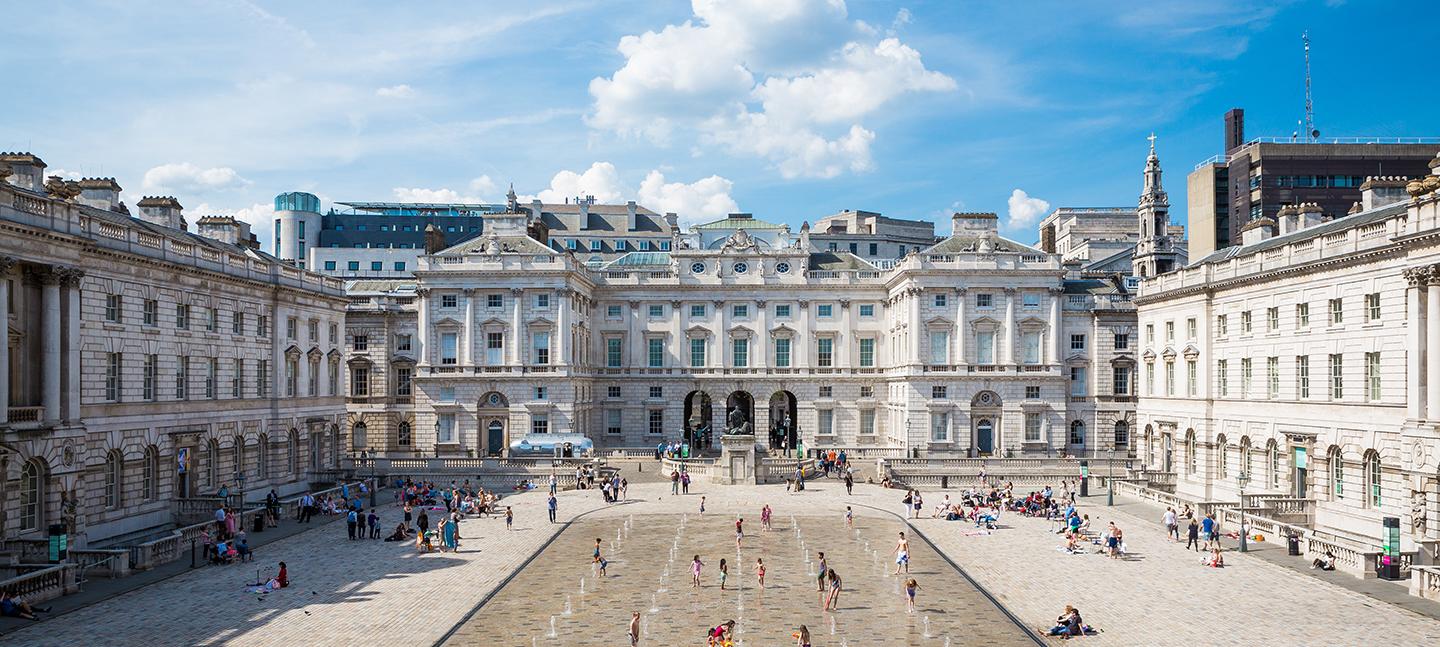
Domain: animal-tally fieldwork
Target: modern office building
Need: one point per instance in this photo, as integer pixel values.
(146, 363)
(1301, 367)
(1259, 176)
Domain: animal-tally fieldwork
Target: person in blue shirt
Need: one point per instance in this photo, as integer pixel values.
(352, 520)
(1207, 529)
(552, 504)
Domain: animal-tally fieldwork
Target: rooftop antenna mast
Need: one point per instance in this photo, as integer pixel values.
(1310, 130)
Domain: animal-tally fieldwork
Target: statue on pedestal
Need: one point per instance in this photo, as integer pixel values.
(736, 424)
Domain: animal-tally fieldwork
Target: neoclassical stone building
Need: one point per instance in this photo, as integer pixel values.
(145, 362)
(1306, 362)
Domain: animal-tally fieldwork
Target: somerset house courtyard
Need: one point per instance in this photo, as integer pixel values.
(724, 323)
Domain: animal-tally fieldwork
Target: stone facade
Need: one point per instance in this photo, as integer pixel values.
(1308, 362)
(146, 364)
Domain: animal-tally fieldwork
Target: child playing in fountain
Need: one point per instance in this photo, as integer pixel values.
(910, 587)
(695, 567)
(760, 570)
(724, 572)
(721, 634)
(802, 637)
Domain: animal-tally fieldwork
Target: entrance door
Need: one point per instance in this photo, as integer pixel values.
(1301, 469)
(495, 438)
(1168, 455)
(985, 437)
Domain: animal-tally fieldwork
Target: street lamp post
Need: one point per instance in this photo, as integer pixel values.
(1110, 479)
(1243, 479)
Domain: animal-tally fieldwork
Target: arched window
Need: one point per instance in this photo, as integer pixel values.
(1337, 473)
(1244, 457)
(239, 457)
(1077, 432)
(114, 477)
(1192, 457)
(262, 464)
(1221, 468)
(1272, 463)
(212, 463)
(150, 474)
(1372, 478)
(402, 434)
(358, 432)
(32, 494)
(1122, 434)
(292, 451)
(1149, 444)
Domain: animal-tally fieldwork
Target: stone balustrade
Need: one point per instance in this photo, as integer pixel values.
(698, 468)
(44, 583)
(1425, 582)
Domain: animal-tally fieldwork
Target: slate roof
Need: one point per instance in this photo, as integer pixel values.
(969, 243)
(1339, 224)
(830, 261)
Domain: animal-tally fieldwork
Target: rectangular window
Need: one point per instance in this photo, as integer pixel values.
(657, 422)
(152, 371)
(152, 312)
(1302, 377)
(1272, 319)
(334, 332)
(237, 323)
(1122, 341)
(1302, 315)
(1337, 377)
(291, 328)
(541, 393)
(874, 249)
(182, 316)
(1077, 381)
(403, 381)
(1030, 300)
(262, 326)
(497, 301)
(1169, 332)
(182, 379)
(399, 266)
(262, 379)
(292, 376)
(824, 352)
(1372, 377)
(445, 428)
(824, 311)
(1372, 307)
(112, 308)
(1272, 377)
(1030, 347)
(1077, 342)
(782, 311)
(655, 355)
(1169, 378)
(542, 300)
(782, 352)
(329, 266)
(657, 392)
(867, 418)
(697, 353)
(1191, 329)
(361, 342)
(612, 421)
(740, 311)
(826, 418)
(1121, 378)
(826, 392)
(360, 382)
(1337, 311)
(112, 377)
(449, 346)
(333, 384)
(212, 319)
(697, 311)
(613, 351)
(867, 391)
(937, 392)
(939, 346)
(1032, 427)
(740, 353)
(941, 300)
(1222, 378)
(985, 347)
(984, 300)
(1222, 325)
(1150, 334)
(867, 353)
(314, 330)
(612, 312)
(448, 301)
(541, 342)
(657, 311)
(1245, 323)
(1032, 393)
(867, 310)
(940, 427)
(1246, 373)
(353, 266)
(402, 342)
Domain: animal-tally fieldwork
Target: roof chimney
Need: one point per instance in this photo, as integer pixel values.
(672, 220)
(1234, 129)
(162, 210)
(1378, 191)
(630, 211)
(28, 171)
(584, 204)
(100, 192)
(227, 229)
(974, 224)
(434, 239)
(1259, 229)
(1289, 219)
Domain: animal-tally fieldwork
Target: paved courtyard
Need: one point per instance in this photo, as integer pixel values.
(371, 592)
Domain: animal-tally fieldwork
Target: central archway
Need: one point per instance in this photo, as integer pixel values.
(783, 419)
(697, 419)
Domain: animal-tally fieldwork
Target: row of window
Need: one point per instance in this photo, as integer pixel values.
(150, 390)
(619, 245)
(1334, 377)
(209, 319)
(1371, 470)
(375, 266)
(1335, 315)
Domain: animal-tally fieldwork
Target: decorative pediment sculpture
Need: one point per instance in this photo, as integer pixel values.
(492, 245)
(739, 241)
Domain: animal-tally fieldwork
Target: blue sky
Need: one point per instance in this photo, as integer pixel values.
(790, 109)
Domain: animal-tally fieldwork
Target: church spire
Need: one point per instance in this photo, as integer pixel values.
(512, 204)
(1155, 251)
(1154, 191)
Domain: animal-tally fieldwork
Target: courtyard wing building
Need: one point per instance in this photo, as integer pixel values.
(148, 363)
(1303, 366)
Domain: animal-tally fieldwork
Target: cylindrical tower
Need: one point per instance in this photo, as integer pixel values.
(297, 225)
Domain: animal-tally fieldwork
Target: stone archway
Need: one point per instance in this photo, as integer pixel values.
(783, 420)
(739, 411)
(698, 417)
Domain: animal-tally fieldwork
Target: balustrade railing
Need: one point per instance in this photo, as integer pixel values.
(43, 584)
(25, 414)
(1425, 582)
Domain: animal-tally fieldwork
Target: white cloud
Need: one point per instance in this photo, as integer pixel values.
(260, 215)
(483, 185)
(1025, 210)
(813, 73)
(481, 190)
(185, 177)
(600, 180)
(401, 91)
(704, 199)
(64, 173)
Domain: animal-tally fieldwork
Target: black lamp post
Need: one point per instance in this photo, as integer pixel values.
(1110, 479)
(1243, 479)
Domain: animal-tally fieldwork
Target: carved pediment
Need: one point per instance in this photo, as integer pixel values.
(541, 322)
(315, 354)
(1191, 352)
(1149, 355)
(1168, 354)
(939, 322)
(495, 322)
(740, 332)
(361, 361)
(782, 330)
(402, 360)
(984, 323)
(448, 322)
(292, 352)
(697, 331)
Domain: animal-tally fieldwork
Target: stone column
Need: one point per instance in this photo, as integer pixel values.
(677, 334)
(467, 351)
(845, 343)
(1056, 328)
(1415, 354)
(1432, 344)
(760, 351)
(959, 326)
(517, 300)
(917, 354)
(422, 330)
(72, 342)
(50, 342)
(800, 345)
(561, 345)
(5, 263)
(722, 336)
(633, 341)
(1008, 353)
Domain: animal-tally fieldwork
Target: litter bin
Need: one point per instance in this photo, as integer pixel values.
(944, 482)
(1292, 542)
(259, 524)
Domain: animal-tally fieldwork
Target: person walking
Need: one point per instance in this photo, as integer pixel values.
(1207, 531)
(849, 481)
(1192, 534)
(374, 522)
(352, 519)
(685, 482)
(918, 503)
(820, 577)
(724, 572)
(307, 507)
(739, 531)
(702, 504)
(675, 482)
(1172, 524)
(554, 483)
(902, 554)
(551, 505)
(760, 571)
(911, 586)
(695, 566)
(509, 518)
(634, 631)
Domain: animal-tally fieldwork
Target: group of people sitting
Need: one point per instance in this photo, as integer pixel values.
(15, 607)
(225, 548)
(462, 497)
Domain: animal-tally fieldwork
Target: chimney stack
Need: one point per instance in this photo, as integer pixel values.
(227, 229)
(28, 171)
(1234, 129)
(974, 224)
(434, 239)
(1259, 229)
(162, 210)
(630, 211)
(100, 193)
(1378, 191)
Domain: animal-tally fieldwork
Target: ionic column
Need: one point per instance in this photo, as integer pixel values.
(1432, 344)
(467, 352)
(562, 336)
(636, 356)
(917, 354)
(5, 263)
(517, 297)
(1055, 328)
(759, 355)
(677, 335)
(50, 342)
(1008, 352)
(1415, 349)
(72, 338)
(722, 335)
(800, 346)
(422, 330)
(847, 346)
(959, 326)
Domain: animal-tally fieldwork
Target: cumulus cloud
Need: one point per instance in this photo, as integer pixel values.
(784, 80)
(1025, 210)
(185, 177)
(704, 199)
(401, 91)
(260, 215)
(600, 180)
(481, 190)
